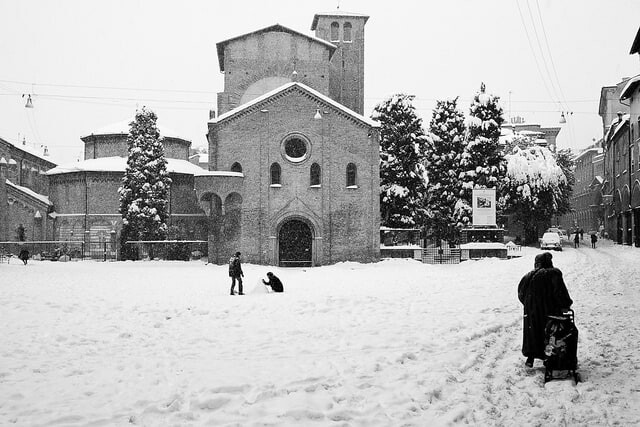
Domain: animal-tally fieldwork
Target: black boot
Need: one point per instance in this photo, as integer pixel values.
(529, 362)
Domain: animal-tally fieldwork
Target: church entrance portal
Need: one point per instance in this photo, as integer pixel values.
(295, 244)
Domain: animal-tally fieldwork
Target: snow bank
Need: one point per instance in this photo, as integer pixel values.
(396, 343)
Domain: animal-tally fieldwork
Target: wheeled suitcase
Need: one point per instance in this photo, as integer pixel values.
(561, 347)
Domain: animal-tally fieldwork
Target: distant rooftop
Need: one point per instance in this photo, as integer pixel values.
(122, 128)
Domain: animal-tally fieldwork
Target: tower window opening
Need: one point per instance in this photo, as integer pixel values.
(335, 32)
(346, 29)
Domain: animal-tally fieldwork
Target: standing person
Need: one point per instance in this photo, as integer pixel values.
(274, 282)
(24, 255)
(581, 234)
(542, 292)
(594, 239)
(576, 240)
(235, 272)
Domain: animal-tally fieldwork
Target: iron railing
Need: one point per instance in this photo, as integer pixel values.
(181, 250)
(441, 255)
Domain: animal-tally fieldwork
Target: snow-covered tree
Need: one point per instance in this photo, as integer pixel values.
(446, 142)
(145, 185)
(532, 190)
(564, 158)
(482, 162)
(402, 172)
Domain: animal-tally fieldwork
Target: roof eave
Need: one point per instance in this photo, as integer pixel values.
(627, 91)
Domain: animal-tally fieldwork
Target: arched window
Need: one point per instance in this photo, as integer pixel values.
(346, 28)
(335, 32)
(236, 167)
(351, 175)
(275, 174)
(315, 174)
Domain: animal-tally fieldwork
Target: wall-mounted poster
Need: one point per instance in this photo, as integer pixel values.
(484, 207)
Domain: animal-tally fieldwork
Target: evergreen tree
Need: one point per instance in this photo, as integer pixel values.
(564, 158)
(532, 190)
(145, 185)
(482, 163)
(402, 173)
(443, 154)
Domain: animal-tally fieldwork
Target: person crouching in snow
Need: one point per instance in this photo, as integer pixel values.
(542, 292)
(274, 282)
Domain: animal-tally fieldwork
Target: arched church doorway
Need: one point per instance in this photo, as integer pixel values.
(295, 244)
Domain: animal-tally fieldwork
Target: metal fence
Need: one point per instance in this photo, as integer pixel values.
(60, 250)
(180, 250)
(441, 255)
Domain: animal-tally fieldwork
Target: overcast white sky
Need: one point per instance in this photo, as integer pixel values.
(89, 64)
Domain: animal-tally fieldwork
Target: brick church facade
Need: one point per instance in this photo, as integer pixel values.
(293, 171)
(293, 164)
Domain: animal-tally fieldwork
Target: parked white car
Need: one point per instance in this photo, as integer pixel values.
(564, 237)
(551, 240)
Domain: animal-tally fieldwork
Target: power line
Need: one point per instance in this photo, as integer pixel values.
(535, 57)
(111, 87)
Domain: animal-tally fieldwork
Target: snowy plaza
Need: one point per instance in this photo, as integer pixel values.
(394, 343)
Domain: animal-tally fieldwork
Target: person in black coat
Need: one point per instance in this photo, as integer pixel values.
(542, 292)
(274, 282)
(235, 272)
(24, 256)
(594, 239)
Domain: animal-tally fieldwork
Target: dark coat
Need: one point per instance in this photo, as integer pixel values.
(275, 284)
(235, 267)
(542, 292)
(24, 254)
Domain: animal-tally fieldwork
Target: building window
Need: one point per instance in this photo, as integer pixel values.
(275, 174)
(335, 32)
(351, 175)
(236, 167)
(346, 29)
(315, 174)
(295, 148)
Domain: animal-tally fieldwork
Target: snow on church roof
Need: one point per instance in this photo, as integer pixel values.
(300, 86)
(119, 164)
(122, 128)
(44, 199)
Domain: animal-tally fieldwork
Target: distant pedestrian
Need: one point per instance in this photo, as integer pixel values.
(601, 229)
(542, 292)
(594, 239)
(576, 240)
(24, 256)
(274, 282)
(581, 234)
(235, 272)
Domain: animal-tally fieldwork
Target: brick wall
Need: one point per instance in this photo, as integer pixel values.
(263, 56)
(345, 220)
(98, 146)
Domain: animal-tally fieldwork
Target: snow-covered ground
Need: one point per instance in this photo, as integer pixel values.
(396, 343)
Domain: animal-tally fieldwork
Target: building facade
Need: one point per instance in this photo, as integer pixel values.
(587, 212)
(292, 174)
(621, 186)
(293, 165)
(24, 204)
